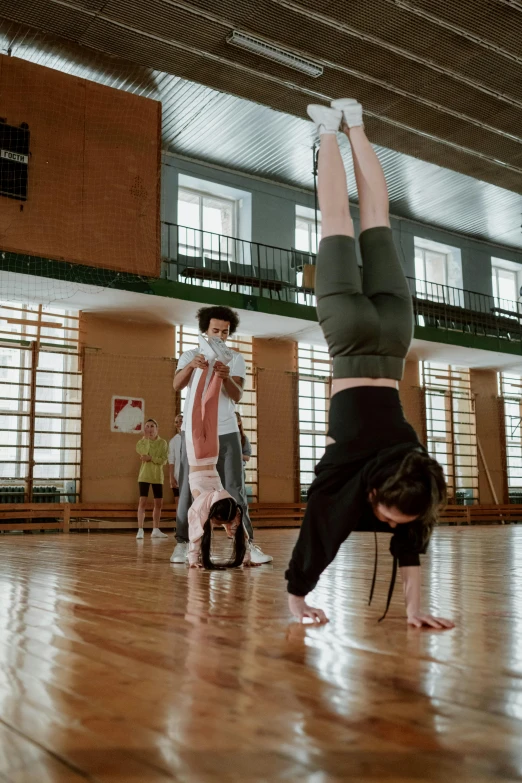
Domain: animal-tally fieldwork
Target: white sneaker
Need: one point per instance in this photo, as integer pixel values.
(180, 554)
(327, 120)
(156, 533)
(257, 555)
(140, 533)
(351, 109)
(215, 348)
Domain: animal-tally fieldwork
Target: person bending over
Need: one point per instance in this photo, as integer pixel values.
(212, 505)
(375, 475)
(220, 323)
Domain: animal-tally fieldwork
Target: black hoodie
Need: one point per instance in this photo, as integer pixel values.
(372, 438)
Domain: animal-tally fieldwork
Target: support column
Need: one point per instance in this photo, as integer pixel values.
(490, 436)
(412, 398)
(277, 420)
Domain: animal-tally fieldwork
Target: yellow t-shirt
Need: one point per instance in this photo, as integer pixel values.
(158, 451)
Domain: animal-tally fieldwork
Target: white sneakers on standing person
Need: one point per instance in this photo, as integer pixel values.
(257, 555)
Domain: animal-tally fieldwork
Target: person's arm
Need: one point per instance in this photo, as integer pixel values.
(142, 446)
(319, 540)
(233, 385)
(161, 458)
(184, 373)
(407, 548)
(247, 450)
(172, 477)
(411, 586)
(233, 376)
(197, 515)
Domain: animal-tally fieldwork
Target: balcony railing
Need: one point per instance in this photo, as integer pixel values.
(229, 264)
(458, 310)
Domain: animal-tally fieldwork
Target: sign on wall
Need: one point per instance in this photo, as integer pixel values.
(127, 414)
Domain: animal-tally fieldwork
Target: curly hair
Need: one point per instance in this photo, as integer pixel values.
(220, 313)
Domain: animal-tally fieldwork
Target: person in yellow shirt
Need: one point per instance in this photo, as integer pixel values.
(153, 452)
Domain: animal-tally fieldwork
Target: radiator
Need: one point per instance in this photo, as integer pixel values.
(46, 495)
(12, 494)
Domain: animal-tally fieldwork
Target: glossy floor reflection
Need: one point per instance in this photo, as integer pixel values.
(117, 666)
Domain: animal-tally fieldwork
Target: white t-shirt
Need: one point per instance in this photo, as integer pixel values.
(175, 454)
(227, 421)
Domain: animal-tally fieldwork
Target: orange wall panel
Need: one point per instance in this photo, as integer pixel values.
(94, 171)
(277, 420)
(484, 386)
(412, 399)
(131, 359)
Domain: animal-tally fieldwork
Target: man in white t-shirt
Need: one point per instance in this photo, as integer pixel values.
(175, 454)
(217, 322)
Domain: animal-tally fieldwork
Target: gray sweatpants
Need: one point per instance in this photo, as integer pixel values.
(231, 473)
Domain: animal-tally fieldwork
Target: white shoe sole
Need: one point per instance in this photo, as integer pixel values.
(351, 110)
(326, 119)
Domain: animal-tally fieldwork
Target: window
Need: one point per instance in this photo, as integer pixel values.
(306, 237)
(431, 274)
(186, 339)
(206, 213)
(438, 272)
(315, 372)
(40, 406)
(307, 240)
(207, 226)
(451, 427)
(505, 284)
(511, 393)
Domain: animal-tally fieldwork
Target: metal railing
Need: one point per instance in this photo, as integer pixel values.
(230, 264)
(456, 309)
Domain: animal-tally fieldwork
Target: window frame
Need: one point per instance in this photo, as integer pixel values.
(505, 266)
(426, 293)
(202, 196)
(460, 455)
(319, 371)
(48, 398)
(310, 224)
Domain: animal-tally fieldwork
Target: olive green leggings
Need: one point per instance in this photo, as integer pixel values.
(368, 323)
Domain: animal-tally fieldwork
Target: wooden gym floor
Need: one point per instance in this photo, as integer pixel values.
(117, 666)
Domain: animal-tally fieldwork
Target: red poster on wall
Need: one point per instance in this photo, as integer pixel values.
(127, 414)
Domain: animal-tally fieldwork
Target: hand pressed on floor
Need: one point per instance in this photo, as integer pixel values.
(419, 620)
(300, 610)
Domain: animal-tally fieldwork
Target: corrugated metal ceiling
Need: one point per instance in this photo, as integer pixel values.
(216, 126)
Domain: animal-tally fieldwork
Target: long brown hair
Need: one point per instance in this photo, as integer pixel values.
(417, 488)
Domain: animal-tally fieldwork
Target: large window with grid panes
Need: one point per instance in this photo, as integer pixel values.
(510, 389)
(315, 373)
(451, 427)
(40, 403)
(186, 340)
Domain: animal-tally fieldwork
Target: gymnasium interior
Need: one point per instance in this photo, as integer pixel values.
(157, 158)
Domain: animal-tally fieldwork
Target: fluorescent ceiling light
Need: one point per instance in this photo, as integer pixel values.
(274, 52)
